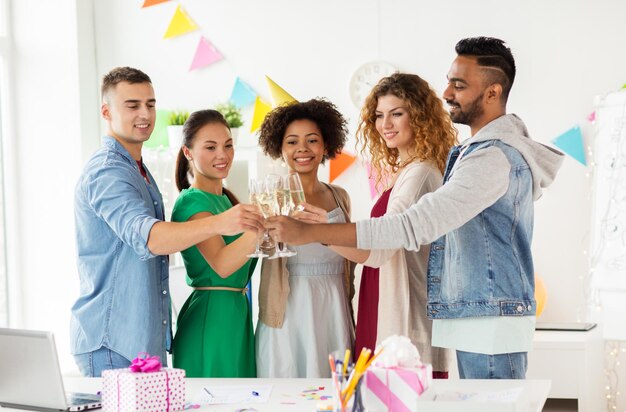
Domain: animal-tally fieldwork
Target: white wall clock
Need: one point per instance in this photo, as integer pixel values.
(365, 78)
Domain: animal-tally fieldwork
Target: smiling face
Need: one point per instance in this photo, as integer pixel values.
(303, 146)
(130, 112)
(394, 125)
(465, 91)
(211, 156)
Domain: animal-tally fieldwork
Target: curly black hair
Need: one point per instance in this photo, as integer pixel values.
(323, 113)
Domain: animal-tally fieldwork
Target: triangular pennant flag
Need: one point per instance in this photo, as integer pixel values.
(591, 117)
(571, 142)
(339, 164)
(181, 23)
(206, 54)
(279, 95)
(371, 177)
(261, 109)
(242, 95)
(148, 3)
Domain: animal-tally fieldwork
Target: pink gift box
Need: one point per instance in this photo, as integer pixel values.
(395, 389)
(124, 390)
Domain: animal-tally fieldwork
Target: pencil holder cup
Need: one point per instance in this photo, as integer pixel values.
(347, 394)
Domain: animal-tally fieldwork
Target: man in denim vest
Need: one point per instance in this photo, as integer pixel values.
(122, 239)
(480, 222)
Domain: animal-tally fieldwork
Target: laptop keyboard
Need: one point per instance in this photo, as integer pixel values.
(82, 398)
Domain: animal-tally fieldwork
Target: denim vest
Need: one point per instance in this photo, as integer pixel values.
(485, 267)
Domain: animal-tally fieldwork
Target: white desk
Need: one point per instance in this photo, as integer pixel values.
(286, 393)
(573, 361)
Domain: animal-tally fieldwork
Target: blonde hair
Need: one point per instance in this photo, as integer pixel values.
(434, 133)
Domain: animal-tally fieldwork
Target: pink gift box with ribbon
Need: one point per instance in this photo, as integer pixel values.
(395, 389)
(145, 386)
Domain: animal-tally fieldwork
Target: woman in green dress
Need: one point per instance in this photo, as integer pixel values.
(214, 336)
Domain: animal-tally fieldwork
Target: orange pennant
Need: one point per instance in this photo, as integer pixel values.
(339, 164)
(148, 3)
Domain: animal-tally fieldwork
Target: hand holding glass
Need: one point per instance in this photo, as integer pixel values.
(257, 190)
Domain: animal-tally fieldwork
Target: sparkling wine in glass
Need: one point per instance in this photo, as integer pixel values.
(256, 189)
(285, 206)
(279, 199)
(297, 193)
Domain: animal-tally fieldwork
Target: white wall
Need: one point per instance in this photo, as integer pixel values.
(567, 52)
(47, 123)
(565, 58)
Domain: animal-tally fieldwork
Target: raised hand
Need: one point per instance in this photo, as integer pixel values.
(310, 214)
(288, 230)
(240, 218)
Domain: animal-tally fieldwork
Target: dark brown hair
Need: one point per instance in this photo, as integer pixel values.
(491, 53)
(196, 121)
(122, 74)
(323, 113)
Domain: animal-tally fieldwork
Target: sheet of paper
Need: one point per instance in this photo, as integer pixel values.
(509, 395)
(231, 394)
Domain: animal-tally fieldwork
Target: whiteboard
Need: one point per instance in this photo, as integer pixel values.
(608, 226)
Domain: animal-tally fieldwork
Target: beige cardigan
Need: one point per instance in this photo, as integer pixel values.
(274, 287)
(402, 274)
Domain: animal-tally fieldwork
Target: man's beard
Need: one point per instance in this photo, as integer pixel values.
(468, 115)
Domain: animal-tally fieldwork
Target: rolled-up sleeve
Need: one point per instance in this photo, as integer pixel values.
(113, 197)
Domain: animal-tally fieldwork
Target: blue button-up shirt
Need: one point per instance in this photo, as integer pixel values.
(124, 301)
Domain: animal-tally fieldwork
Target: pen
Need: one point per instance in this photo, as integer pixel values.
(331, 361)
(374, 357)
(207, 391)
(346, 359)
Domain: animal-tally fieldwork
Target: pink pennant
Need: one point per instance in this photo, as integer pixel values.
(206, 54)
(591, 117)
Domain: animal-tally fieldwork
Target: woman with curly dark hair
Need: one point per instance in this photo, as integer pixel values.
(407, 134)
(304, 300)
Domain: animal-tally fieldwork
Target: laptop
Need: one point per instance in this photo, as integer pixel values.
(30, 376)
(567, 326)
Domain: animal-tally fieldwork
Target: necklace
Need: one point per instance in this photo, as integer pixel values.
(404, 163)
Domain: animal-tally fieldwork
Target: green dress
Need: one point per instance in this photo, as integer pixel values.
(214, 336)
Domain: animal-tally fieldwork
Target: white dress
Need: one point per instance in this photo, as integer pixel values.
(317, 318)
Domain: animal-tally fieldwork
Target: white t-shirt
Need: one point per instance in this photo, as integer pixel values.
(489, 335)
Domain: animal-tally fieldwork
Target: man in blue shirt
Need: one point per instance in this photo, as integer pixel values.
(122, 238)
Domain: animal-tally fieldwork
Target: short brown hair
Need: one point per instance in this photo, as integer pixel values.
(122, 74)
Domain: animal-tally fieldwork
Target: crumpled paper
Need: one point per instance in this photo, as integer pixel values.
(399, 352)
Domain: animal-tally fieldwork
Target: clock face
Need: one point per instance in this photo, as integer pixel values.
(365, 78)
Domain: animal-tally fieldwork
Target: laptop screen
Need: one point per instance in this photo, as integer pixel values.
(29, 370)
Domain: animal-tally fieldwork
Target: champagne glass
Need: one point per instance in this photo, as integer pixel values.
(285, 207)
(264, 203)
(279, 198)
(256, 189)
(272, 208)
(297, 193)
